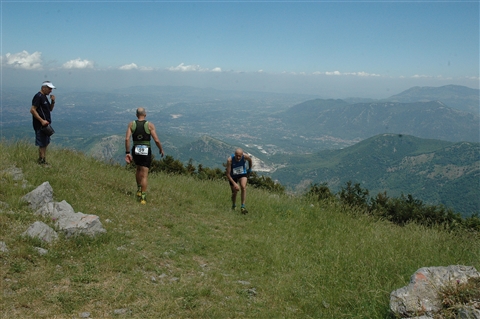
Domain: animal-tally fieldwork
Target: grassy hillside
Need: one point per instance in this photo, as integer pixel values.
(187, 255)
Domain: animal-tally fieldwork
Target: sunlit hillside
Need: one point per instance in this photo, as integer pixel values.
(186, 254)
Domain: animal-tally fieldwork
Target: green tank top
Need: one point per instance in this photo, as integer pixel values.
(141, 133)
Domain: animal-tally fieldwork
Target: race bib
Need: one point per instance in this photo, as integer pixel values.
(238, 170)
(141, 150)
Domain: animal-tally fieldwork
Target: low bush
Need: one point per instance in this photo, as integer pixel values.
(401, 211)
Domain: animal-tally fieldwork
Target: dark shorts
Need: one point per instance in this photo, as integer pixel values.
(41, 139)
(236, 178)
(142, 160)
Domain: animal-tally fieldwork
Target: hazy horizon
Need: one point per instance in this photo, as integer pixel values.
(329, 49)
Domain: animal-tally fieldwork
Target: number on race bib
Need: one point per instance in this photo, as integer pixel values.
(141, 150)
(238, 170)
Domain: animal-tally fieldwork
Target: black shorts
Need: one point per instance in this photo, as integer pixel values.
(41, 139)
(236, 178)
(142, 160)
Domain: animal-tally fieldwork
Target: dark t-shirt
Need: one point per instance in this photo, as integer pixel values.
(42, 104)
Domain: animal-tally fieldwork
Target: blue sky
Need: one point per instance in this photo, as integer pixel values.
(333, 49)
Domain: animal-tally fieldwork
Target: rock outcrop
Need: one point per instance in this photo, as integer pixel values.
(40, 196)
(61, 213)
(69, 222)
(42, 231)
(421, 298)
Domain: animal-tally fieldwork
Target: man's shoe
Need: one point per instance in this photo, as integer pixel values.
(43, 162)
(139, 196)
(143, 198)
(234, 207)
(243, 210)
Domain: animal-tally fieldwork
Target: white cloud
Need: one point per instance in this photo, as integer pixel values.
(78, 64)
(365, 74)
(133, 66)
(333, 73)
(362, 74)
(194, 67)
(185, 68)
(417, 76)
(24, 60)
(130, 66)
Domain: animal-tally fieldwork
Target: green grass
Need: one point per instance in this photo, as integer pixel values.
(186, 254)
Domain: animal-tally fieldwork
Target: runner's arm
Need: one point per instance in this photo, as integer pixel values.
(229, 170)
(153, 133)
(128, 156)
(250, 162)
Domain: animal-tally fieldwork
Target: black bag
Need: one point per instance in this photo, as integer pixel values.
(48, 130)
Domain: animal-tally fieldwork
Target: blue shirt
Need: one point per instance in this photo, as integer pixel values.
(238, 168)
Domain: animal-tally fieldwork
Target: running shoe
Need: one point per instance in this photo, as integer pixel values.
(43, 162)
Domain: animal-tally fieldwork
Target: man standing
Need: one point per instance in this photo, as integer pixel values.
(40, 110)
(237, 174)
(141, 132)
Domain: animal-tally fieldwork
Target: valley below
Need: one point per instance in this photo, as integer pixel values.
(408, 144)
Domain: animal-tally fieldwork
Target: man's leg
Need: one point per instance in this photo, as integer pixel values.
(142, 179)
(234, 195)
(42, 141)
(42, 151)
(41, 155)
(243, 188)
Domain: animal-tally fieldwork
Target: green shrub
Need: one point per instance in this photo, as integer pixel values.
(400, 211)
(320, 192)
(354, 195)
(265, 182)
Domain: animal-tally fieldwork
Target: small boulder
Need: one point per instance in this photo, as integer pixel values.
(3, 247)
(421, 296)
(40, 196)
(69, 222)
(42, 231)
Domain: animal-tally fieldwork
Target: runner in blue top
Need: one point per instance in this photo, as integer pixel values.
(237, 173)
(141, 132)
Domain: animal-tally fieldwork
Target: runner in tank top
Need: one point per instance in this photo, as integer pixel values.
(237, 173)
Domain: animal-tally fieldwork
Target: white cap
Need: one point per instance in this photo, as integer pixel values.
(47, 83)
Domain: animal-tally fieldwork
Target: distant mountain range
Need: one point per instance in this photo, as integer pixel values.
(455, 96)
(336, 118)
(431, 170)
